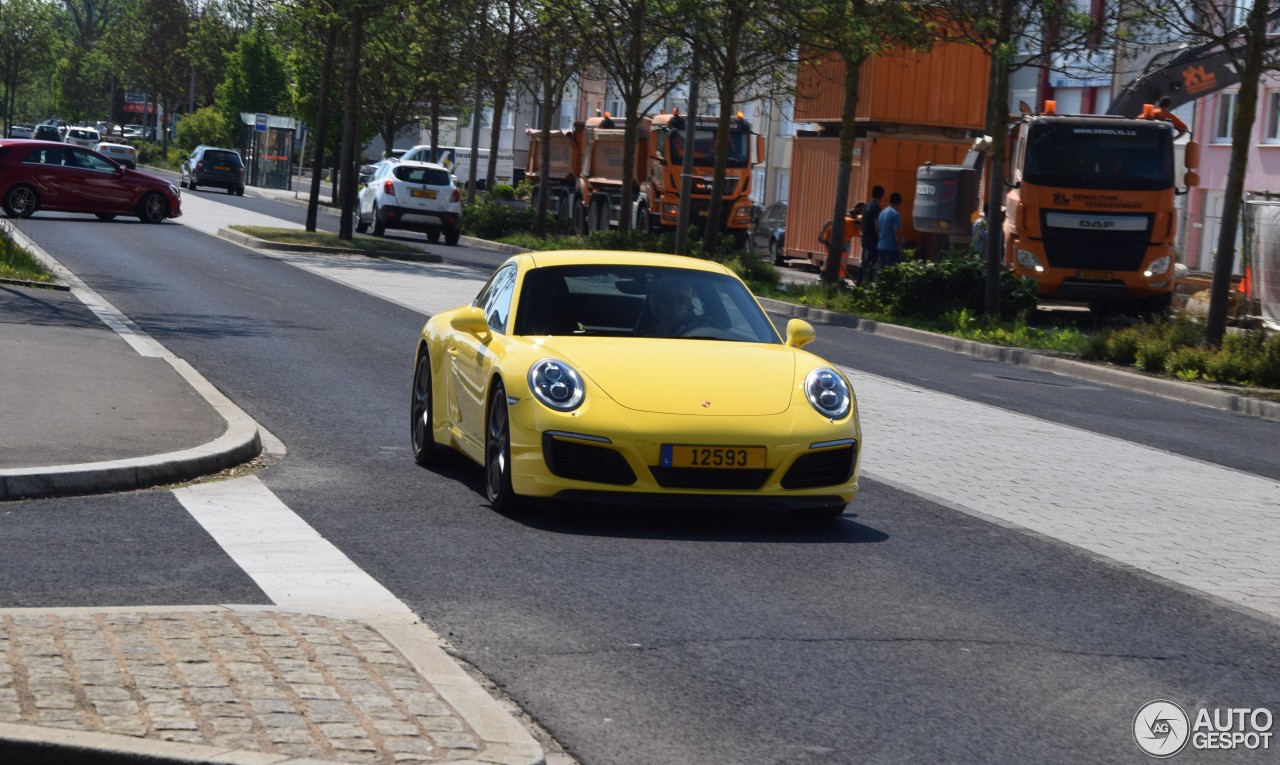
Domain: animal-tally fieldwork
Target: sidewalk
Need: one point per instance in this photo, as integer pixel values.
(92, 405)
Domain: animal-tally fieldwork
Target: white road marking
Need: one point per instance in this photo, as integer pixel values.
(296, 567)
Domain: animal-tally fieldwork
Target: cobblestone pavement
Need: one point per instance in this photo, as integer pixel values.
(259, 681)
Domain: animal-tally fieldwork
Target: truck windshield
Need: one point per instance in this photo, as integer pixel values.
(1119, 157)
(704, 147)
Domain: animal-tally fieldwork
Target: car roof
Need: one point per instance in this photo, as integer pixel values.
(619, 258)
(113, 143)
(415, 163)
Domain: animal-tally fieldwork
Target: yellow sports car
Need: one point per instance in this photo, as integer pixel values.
(627, 377)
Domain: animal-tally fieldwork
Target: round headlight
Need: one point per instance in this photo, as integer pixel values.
(556, 384)
(828, 393)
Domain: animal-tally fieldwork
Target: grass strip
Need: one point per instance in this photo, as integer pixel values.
(358, 242)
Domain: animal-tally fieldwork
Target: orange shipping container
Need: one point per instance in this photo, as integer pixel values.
(945, 87)
(891, 162)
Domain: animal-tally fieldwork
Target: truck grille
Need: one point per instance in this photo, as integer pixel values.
(825, 468)
(1094, 250)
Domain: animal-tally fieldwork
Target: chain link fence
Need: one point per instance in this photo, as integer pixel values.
(1261, 224)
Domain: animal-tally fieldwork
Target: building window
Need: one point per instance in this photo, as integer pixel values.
(1272, 106)
(787, 121)
(1225, 120)
(783, 189)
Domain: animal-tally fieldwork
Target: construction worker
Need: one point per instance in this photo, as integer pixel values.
(851, 230)
(1163, 112)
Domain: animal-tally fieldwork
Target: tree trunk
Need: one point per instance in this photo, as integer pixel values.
(350, 126)
(844, 170)
(1233, 195)
(495, 135)
(322, 137)
(686, 176)
(998, 129)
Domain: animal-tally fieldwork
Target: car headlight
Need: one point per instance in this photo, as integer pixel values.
(828, 393)
(1158, 266)
(174, 190)
(556, 384)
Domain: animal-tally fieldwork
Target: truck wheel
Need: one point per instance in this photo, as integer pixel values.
(579, 217)
(641, 221)
(599, 218)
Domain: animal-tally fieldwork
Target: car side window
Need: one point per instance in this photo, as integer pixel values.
(90, 161)
(495, 299)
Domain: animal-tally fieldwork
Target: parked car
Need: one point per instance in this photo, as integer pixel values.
(47, 132)
(547, 380)
(83, 136)
(21, 131)
(35, 175)
(770, 232)
(414, 196)
(120, 152)
(212, 166)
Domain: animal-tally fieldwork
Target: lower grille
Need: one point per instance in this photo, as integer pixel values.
(704, 478)
(585, 462)
(825, 468)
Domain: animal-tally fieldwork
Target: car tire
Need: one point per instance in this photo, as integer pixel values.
(191, 184)
(379, 226)
(452, 235)
(361, 226)
(105, 216)
(152, 208)
(497, 453)
(231, 190)
(182, 183)
(421, 439)
(775, 249)
(21, 201)
(240, 191)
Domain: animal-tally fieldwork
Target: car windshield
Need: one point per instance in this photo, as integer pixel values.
(1100, 157)
(429, 176)
(639, 301)
(705, 147)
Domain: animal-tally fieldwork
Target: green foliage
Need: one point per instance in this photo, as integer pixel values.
(1177, 347)
(1187, 362)
(1265, 369)
(931, 289)
(502, 191)
(204, 127)
(494, 220)
(16, 262)
(256, 82)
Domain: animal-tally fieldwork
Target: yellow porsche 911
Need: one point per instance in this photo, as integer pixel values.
(625, 377)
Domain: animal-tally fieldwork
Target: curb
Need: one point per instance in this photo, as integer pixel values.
(1171, 389)
(239, 443)
(263, 244)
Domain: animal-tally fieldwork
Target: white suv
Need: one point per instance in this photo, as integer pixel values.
(83, 136)
(413, 196)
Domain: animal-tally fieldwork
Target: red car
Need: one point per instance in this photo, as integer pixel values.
(41, 175)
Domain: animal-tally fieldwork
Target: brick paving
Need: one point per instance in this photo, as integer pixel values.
(281, 683)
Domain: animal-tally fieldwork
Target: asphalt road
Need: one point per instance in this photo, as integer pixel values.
(908, 632)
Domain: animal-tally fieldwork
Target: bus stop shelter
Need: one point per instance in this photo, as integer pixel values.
(268, 149)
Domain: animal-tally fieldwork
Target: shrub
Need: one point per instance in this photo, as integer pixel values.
(931, 289)
(1151, 354)
(1187, 362)
(203, 126)
(1265, 370)
(1227, 366)
(502, 191)
(494, 220)
(1121, 347)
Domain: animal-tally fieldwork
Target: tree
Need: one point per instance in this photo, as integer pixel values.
(255, 81)
(1212, 22)
(27, 34)
(853, 31)
(395, 81)
(152, 42)
(629, 40)
(745, 49)
(552, 58)
(504, 44)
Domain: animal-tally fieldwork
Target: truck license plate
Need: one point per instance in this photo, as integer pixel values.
(689, 456)
(1096, 276)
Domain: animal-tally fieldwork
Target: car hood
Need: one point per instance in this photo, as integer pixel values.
(686, 376)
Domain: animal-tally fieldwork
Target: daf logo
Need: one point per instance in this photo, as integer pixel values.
(1086, 223)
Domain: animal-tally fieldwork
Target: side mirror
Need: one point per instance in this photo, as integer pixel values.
(1192, 178)
(1191, 156)
(471, 320)
(761, 154)
(800, 333)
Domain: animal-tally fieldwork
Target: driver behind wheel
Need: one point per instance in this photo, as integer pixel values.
(670, 308)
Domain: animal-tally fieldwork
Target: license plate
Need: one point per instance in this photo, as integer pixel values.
(692, 456)
(221, 168)
(1096, 276)
(423, 193)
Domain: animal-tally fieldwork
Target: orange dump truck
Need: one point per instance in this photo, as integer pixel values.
(1090, 209)
(566, 160)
